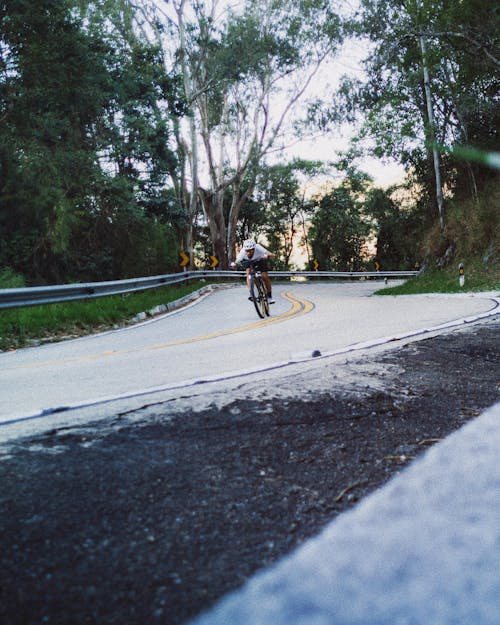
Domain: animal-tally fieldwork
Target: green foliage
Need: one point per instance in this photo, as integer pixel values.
(88, 114)
(275, 37)
(398, 232)
(338, 232)
(461, 40)
(245, 78)
(83, 141)
(472, 230)
(477, 278)
(252, 220)
(471, 237)
(41, 156)
(153, 250)
(280, 193)
(11, 280)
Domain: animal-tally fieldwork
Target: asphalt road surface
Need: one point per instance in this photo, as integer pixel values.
(149, 508)
(217, 337)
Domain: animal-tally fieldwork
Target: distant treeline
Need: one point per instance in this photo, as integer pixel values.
(130, 132)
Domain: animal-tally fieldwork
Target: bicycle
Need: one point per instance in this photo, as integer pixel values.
(258, 292)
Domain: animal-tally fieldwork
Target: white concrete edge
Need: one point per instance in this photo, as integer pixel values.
(423, 549)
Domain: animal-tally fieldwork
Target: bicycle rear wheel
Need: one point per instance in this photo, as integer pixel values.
(256, 296)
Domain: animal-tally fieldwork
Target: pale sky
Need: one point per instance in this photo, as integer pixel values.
(325, 146)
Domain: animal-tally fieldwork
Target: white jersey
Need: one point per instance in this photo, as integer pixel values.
(259, 253)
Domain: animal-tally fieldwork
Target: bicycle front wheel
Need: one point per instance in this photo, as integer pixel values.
(263, 303)
(256, 297)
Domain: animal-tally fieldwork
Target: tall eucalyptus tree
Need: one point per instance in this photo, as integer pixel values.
(245, 73)
(432, 84)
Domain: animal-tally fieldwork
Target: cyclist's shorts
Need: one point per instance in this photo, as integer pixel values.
(260, 265)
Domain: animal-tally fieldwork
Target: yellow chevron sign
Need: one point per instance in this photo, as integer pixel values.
(215, 262)
(184, 259)
(315, 265)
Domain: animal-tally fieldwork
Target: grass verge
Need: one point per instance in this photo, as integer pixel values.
(20, 326)
(477, 278)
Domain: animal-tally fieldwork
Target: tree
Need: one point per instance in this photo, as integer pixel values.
(397, 232)
(432, 75)
(338, 230)
(282, 192)
(48, 103)
(83, 138)
(245, 76)
(418, 101)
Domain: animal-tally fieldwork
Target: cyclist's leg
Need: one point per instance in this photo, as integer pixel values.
(246, 266)
(248, 282)
(267, 282)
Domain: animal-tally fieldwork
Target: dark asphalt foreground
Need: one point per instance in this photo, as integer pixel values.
(151, 522)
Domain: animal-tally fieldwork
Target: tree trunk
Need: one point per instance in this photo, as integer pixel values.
(214, 211)
(238, 200)
(190, 202)
(432, 134)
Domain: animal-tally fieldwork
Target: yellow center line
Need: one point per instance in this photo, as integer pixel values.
(299, 307)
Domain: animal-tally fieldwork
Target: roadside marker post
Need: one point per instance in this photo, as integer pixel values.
(461, 274)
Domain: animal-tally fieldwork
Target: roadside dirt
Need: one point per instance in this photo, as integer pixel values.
(153, 521)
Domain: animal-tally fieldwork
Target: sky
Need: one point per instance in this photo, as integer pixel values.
(325, 146)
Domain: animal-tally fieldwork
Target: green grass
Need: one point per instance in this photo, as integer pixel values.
(21, 325)
(477, 278)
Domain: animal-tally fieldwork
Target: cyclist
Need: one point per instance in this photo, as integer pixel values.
(254, 254)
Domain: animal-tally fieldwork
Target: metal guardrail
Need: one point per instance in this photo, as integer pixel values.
(34, 296)
(345, 274)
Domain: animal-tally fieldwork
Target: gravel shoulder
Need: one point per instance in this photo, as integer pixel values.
(151, 517)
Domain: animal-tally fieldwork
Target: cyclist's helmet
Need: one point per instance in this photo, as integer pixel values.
(249, 244)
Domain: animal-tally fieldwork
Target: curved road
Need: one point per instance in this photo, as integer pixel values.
(218, 336)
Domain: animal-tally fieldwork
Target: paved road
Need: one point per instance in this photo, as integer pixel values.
(217, 337)
(422, 550)
(99, 522)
